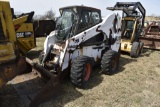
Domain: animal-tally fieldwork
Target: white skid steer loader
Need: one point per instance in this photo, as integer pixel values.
(81, 40)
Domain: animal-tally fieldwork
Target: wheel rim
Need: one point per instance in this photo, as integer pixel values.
(87, 72)
(114, 63)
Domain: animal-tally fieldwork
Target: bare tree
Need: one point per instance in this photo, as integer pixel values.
(50, 14)
(38, 17)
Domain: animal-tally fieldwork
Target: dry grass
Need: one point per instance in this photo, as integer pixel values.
(137, 84)
(34, 53)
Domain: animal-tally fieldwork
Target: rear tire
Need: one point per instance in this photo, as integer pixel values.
(80, 71)
(141, 47)
(135, 50)
(110, 62)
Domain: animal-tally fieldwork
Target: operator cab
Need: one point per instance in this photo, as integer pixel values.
(130, 23)
(127, 28)
(76, 19)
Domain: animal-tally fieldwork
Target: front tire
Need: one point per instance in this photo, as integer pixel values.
(110, 61)
(80, 71)
(135, 50)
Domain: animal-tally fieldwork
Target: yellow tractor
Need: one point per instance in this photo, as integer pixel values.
(16, 37)
(132, 23)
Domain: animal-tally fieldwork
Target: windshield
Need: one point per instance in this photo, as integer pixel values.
(127, 24)
(127, 28)
(65, 24)
(130, 24)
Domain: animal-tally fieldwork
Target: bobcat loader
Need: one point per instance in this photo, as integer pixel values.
(81, 40)
(131, 25)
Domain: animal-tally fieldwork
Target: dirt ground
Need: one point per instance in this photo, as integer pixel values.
(136, 84)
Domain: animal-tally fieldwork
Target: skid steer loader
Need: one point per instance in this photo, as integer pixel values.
(132, 23)
(81, 40)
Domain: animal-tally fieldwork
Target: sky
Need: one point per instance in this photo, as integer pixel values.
(41, 6)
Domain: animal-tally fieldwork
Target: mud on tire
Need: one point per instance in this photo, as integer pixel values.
(80, 71)
(110, 62)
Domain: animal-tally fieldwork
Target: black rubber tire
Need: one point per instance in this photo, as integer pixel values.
(110, 62)
(41, 55)
(141, 47)
(135, 50)
(79, 76)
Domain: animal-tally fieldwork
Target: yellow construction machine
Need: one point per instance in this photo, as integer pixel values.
(132, 23)
(24, 32)
(16, 37)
